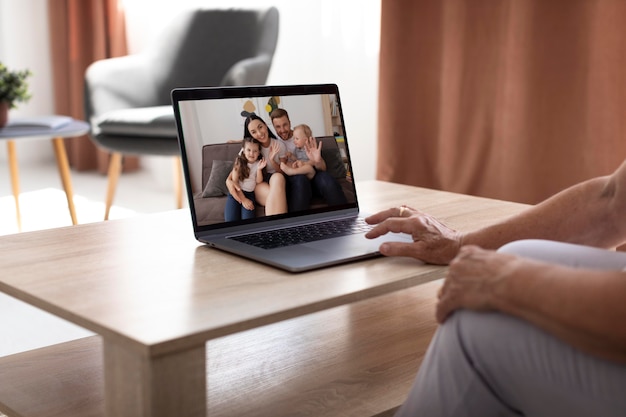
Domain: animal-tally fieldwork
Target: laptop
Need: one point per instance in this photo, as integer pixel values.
(210, 123)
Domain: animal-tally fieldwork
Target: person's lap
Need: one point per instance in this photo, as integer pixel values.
(492, 364)
(236, 211)
(328, 188)
(301, 190)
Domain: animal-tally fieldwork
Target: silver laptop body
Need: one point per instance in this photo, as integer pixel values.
(210, 123)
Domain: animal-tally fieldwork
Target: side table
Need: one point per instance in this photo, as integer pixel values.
(42, 128)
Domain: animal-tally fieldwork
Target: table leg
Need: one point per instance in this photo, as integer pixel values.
(15, 180)
(64, 171)
(136, 384)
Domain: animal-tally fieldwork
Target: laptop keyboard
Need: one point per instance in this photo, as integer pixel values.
(273, 239)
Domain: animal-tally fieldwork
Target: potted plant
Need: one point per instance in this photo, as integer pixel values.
(13, 89)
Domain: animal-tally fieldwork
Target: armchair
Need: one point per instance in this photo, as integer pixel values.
(127, 99)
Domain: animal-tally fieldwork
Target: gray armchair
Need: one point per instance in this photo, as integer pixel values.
(127, 99)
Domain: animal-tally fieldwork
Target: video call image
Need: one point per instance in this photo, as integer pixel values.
(316, 173)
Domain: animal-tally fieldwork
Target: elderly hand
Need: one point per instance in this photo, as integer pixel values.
(433, 241)
(472, 280)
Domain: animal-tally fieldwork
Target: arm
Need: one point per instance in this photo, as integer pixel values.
(277, 149)
(238, 195)
(259, 170)
(591, 213)
(583, 307)
(232, 183)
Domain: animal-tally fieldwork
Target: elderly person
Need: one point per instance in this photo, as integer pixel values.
(537, 328)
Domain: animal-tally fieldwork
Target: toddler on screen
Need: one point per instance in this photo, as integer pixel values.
(298, 163)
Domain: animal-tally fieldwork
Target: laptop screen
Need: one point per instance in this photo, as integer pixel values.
(282, 148)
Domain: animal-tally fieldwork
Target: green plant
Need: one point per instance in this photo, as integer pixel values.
(13, 85)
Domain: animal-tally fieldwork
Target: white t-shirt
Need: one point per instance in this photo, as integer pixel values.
(290, 144)
(249, 183)
(300, 154)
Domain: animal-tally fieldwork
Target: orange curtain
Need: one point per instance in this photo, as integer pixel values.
(81, 32)
(501, 98)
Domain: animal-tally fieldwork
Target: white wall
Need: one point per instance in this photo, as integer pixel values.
(24, 44)
(319, 41)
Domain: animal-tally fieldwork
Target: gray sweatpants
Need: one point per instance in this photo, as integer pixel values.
(492, 364)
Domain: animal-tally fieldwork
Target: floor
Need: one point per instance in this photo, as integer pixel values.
(43, 205)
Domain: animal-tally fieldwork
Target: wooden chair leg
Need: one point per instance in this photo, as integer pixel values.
(115, 168)
(15, 180)
(64, 171)
(178, 182)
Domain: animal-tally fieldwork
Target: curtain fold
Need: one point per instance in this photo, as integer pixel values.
(501, 98)
(81, 32)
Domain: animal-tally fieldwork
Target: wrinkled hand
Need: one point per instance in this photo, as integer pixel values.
(433, 241)
(472, 279)
(313, 150)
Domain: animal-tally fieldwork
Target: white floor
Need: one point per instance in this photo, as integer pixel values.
(43, 205)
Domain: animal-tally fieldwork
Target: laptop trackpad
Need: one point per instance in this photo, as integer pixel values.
(352, 245)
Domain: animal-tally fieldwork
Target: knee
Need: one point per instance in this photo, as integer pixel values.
(473, 331)
(323, 179)
(491, 340)
(451, 331)
(470, 327)
(329, 188)
(277, 181)
(298, 181)
(299, 187)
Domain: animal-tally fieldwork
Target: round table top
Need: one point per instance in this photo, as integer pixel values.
(44, 127)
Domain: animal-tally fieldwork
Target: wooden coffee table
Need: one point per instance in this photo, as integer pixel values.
(171, 314)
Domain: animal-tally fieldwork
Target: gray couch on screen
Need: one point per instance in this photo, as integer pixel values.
(217, 160)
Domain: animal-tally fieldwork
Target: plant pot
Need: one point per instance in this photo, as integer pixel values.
(4, 113)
